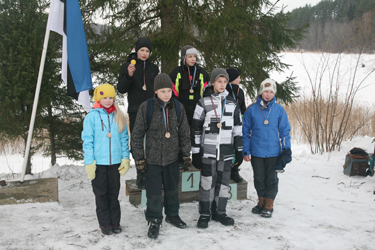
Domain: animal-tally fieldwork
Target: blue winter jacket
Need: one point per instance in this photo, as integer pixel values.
(265, 140)
(96, 145)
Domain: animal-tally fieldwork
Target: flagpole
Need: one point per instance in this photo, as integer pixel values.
(35, 105)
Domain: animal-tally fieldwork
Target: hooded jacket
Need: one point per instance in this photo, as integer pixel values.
(144, 70)
(265, 140)
(208, 139)
(96, 145)
(159, 149)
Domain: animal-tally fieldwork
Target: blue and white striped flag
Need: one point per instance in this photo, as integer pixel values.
(65, 18)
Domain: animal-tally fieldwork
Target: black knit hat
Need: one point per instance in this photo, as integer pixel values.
(162, 81)
(233, 74)
(143, 42)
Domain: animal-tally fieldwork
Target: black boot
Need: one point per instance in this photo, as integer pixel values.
(223, 219)
(235, 176)
(176, 221)
(107, 230)
(116, 229)
(260, 206)
(203, 221)
(140, 179)
(153, 230)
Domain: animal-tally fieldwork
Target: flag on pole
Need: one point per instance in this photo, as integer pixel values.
(65, 18)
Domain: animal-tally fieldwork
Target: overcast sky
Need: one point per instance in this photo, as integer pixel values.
(293, 4)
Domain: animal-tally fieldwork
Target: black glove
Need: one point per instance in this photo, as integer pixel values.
(284, 158)
(187, 163)
(141, 165)
(197, 161)
(239, 159)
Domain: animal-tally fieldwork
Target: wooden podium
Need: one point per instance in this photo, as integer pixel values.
(188, 189)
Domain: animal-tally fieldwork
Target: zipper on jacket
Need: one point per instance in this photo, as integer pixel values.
(109, 128)
(221, 115)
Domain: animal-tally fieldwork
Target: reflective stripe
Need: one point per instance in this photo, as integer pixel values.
(202, 83)
(177, 84)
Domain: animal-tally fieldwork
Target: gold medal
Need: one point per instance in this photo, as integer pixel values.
(109, 135)
(144, 87)
(133, 61)
(167, 135)
(266, 122)
(219, 125)
(192, 91)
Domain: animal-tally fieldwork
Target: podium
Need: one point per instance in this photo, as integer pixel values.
(188, 189)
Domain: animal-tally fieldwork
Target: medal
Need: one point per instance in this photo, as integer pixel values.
(219, 125)
(266, 122)
(167, 135)
(133, 61)
(192, 91)
(109, 135)
(144, 87)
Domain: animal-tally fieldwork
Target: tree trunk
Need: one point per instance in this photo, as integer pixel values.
(51, 133)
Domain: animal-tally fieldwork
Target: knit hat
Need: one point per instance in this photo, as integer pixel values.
(268, 84)
(233, 74)
(188, 50)
(143, 42)
(162, 81)
(217, 73)
(104, 90)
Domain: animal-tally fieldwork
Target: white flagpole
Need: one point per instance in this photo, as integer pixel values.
(35, 105)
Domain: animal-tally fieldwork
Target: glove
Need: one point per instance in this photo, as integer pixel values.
(284, 158)
(141, 165)
(187, 163)
(90, 170)
(124, 166)
(197, 161)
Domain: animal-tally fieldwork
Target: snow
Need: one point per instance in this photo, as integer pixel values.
(317, 207)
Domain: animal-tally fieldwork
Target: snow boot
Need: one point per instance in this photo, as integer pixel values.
(107, 230)
(203, 221)
(235, 176)
(140, 179)
(223, 219)
(260, 206)
(176, 221)
(268, 208)
(116, 229)
(153, 230)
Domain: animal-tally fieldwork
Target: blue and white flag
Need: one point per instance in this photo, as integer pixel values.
(65, 18)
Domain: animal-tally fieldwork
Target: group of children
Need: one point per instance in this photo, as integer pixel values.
(170, 117)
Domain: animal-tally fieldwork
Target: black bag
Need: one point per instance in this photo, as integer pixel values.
(356, 162)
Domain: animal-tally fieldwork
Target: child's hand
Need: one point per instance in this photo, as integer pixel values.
(187, 163)
(246, 158)
(141, 165)
(90, 170)
(124, 166)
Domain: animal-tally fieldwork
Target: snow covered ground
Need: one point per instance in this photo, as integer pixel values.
(317, 207)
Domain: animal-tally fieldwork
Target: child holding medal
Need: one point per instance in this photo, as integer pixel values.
(157, 156)
(217, 130)
(266, 134)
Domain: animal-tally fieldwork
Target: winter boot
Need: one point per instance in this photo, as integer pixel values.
(203, 221)
(223, 219)
(116, 229)
(140, 179)
(107, 230)
(260, 206)
(176, 221)
(268, 208)
(153, 230)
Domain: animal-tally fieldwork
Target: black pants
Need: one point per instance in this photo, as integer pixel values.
(106, 187)
(156, 177)
(265, 177)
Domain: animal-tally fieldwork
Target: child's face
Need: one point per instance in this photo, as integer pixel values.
(143, 53)
(237, 80)
(106, 102)
(164, 94)
(220, 84)
(268, 95)
(190, 59)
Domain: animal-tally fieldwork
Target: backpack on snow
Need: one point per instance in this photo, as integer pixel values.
(356, 163)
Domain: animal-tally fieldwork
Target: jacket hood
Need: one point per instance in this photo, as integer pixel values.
(261, 102)
(209, 90)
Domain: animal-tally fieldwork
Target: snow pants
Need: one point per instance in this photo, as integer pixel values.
(265, 177)
(214, 186)
(106, 187)
(156, 177)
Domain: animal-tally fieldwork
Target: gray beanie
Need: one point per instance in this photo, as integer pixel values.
(188, 50)
(162, 81)
(217, 73)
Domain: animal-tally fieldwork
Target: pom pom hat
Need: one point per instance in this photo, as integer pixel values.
(268, 84)
(104, 90)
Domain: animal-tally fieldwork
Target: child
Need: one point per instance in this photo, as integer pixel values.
(106, 156)
(166, 137)
(217, 129)
(234, 90)
(265, 135)
(137, 79)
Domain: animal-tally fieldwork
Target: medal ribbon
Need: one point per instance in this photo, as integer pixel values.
(192, 83)
(222, 111)
(166, 119)
(266, 119)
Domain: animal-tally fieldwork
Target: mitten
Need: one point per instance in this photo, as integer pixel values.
(197, 161)
(124, 166)
(187, 163)
(284, 158)
(141, 165)
(90, 170)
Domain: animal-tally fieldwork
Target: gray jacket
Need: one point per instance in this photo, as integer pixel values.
(159, 149)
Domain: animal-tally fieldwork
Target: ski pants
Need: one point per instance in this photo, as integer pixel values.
(265, 177)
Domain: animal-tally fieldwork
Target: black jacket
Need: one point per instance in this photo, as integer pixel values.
(237, 93)
(133, 85)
